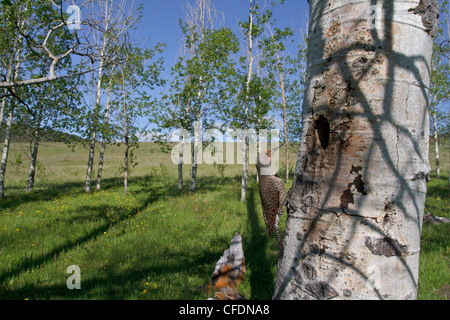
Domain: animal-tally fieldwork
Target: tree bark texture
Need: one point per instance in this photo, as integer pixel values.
(33, 161)
(250, 59)
(197, 153)
(356, 205)
(180, 165)
(103, 149)
(436, 139)
(4, 162)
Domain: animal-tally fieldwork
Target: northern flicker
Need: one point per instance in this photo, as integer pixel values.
(272, 193)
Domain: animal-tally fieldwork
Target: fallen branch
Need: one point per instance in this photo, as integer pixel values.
(428, 217)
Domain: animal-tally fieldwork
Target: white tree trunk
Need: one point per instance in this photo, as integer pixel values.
(126, 135)
(103, 149)
(34, 153)
(197, 153)
(98, 96)
(5, 91)
(436, 138)
(108, 11)
(4, 162)
(125, 171)
(356, 205)
(286, 141)
(246, 107)
(180, 164)
(87, 186)
(15, 59)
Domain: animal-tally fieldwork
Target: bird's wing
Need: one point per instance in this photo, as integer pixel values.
(272, 215)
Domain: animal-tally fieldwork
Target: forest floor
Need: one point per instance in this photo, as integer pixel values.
(157, 242)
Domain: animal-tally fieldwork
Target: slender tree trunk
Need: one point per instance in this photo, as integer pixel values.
(100, 164)
(98, 96)
(125, 171)
(32, 174)
(13, 76)
(5, 91)
(245, 167)
(436, 137)
(196, 153)
(183, 142)
(198, 146)
(90, 165)
(246, 110)
(3, 108)
(356, 205)
(286, 141)
(4, 162)
(15, 58)
(33, 161)
(126, 136)
(180, 165)
(103, 149)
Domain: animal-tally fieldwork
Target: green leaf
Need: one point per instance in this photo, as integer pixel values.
(6, 3)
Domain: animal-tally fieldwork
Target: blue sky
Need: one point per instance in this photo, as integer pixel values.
(160, 24)
(160, 21)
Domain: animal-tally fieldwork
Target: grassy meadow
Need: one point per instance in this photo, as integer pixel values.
(156, 242)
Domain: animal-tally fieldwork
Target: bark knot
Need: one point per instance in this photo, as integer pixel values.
(386, 246)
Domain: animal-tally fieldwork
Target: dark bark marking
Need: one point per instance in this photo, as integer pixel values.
(386, 246)
(297, 276)
(323, 131)
(358, 183)
(347, 293)
(429, 11)
(309, 271)
(421, 176)
(321, 291)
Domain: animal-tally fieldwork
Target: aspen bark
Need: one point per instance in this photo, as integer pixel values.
(436, 139)
(94, 132)
(286, 141)
(356, 205)
(126, 135)
(180, 165)
(246, 107)
(98, 95)
(13, 75)
(34, 153)
(4, 162)
(103, 148)
(197, 154)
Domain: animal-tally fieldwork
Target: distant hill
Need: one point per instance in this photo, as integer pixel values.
(25, 134)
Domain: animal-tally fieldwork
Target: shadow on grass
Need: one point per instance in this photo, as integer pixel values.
(169, 267)
(111, 284)
(35, 262)
(169, 264)
(155, 185)
(255, 250)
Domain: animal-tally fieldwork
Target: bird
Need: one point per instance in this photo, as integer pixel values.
(272, 193)
(229, 273)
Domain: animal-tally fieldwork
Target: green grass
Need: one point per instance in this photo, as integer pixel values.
(157, 242)
(434, 270)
